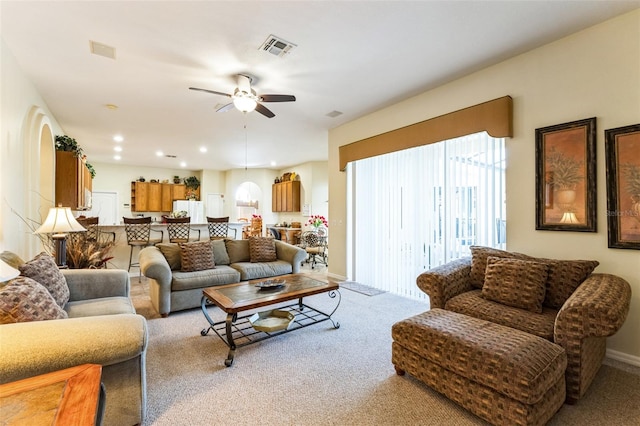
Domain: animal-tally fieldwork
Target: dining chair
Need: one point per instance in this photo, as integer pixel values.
(315, 246)
(219, 228)
(255, 228)
(179, 229)
(138, 232)
(275, 233)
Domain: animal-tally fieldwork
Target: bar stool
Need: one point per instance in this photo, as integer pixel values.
(219, 228)
(179, 229)
(138, 232)
(94, 233)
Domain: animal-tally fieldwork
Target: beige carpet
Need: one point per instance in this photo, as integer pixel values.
(324, 376)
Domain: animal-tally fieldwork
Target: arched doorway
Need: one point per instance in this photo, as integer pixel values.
(247, 199)
(39, 166)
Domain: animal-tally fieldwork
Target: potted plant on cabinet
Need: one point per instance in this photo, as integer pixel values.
(67, 143)
(192, 184)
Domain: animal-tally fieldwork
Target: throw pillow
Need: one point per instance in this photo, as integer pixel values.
(238, 250)
(479, 257)
(44, 270)
(514, 282)
(172, 253)
(23, 299)
(196, 256)
(262, 249)
(220, 255)
(565, 276)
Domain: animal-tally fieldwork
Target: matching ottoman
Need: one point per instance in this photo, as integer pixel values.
(503, 375)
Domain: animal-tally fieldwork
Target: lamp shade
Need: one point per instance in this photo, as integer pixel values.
(7, 272)
(60, 220)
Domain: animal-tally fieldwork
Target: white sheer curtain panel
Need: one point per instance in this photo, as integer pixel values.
(420, 208)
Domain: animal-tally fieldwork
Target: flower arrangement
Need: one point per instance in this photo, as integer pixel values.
(317, 221)
(256, 216)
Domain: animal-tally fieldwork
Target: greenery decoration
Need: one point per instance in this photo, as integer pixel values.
(92, 171)
(192, 182)
(67, 143)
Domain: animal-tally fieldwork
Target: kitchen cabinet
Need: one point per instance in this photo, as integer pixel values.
(73, 181)
(156, 197)
(139, 196)
(285, 196)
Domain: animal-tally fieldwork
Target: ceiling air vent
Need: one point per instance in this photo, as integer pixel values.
(277, 46)
(102, 49)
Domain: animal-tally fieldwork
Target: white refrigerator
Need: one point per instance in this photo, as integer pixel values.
(194, 209)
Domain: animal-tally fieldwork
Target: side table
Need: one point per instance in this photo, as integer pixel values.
(73, 396)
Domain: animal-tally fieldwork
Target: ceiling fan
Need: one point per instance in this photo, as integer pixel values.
(245, 99)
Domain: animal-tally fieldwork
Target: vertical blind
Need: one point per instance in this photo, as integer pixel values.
(421, 207)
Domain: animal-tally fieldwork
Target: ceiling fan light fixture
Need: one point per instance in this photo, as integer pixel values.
(244, 104)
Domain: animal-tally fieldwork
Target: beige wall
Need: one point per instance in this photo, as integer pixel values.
(595, 72)
(26, 157)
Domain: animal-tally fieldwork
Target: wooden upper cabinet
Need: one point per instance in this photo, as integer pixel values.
(179, 192)
(167, 197)
(73, 181)
(139, 197)
(286, 196)
(155, 197)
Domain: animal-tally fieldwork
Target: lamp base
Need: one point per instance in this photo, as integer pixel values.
(60, 242)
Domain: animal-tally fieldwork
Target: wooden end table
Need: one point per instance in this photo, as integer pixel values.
(66, 397)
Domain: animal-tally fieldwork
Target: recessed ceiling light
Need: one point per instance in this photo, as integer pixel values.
(117, 148)
(159, 153)
(273, 163)
(183, 164)
(118, 138)
(112, 107)
(116, 157)
(203, 149)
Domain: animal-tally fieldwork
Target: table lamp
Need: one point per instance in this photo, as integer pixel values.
(7, 272)
(59, 221)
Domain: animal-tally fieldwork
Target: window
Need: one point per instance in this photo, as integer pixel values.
(421, 207)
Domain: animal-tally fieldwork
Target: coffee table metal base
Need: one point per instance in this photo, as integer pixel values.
(237, 332)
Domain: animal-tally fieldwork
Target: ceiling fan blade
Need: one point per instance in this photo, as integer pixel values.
(264, 111)
(210, 91)
(225, 108)
(277, 98)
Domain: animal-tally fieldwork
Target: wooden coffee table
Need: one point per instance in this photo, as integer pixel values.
(237, 331)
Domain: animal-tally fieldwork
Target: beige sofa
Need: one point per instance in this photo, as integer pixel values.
(171, 289)
(101, 328)
(574, 308)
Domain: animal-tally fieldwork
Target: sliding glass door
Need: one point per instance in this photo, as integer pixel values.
(419, 208)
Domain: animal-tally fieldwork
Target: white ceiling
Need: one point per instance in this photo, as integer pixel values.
(351, 56)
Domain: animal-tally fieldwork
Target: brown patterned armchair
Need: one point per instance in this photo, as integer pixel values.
(565, 303)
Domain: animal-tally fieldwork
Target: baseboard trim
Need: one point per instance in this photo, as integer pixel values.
(336, 277)
(623, 357)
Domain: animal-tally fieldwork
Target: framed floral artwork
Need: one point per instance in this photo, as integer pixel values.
(566, 176)
(622, 156)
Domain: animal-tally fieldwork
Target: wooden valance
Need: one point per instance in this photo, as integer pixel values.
(495, 117)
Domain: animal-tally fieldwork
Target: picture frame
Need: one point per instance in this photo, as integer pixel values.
(566, 176)
(622, 160)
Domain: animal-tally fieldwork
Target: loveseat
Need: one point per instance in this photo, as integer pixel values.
(174, 287)
(96, 324)
(561, 301)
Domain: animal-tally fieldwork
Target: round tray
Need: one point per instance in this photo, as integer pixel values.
(270, 284)
(271, 320)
